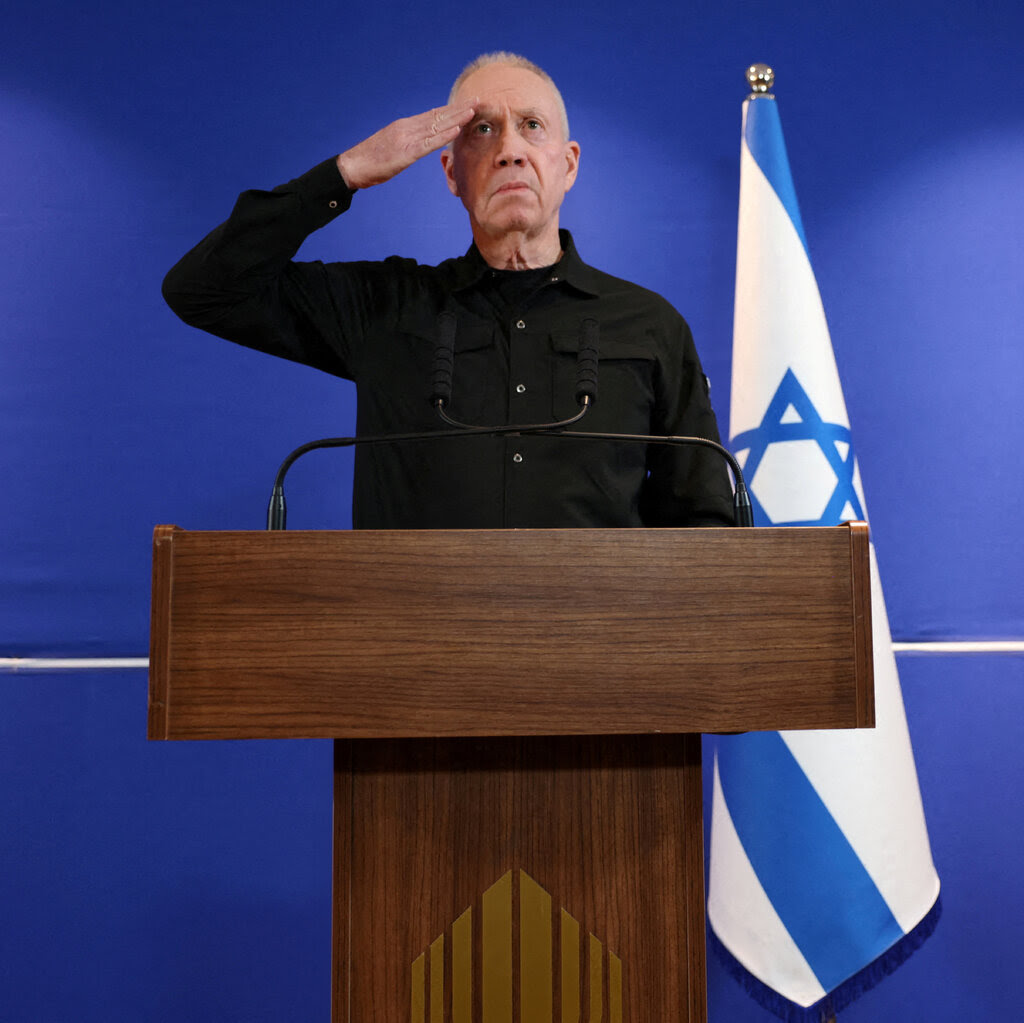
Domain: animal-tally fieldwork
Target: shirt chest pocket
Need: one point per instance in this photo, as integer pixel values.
(625, 385)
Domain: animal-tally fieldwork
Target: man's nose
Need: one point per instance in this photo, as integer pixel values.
(510, 149)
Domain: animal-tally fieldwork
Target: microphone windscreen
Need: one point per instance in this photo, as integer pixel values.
(586, 362)
(444, 359)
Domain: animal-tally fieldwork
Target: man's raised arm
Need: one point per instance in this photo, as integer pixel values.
(240, 283)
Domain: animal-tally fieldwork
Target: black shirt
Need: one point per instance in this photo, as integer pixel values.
(515, 362)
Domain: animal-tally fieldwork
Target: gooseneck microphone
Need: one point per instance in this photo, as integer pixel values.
(440, 397)
(444, 367)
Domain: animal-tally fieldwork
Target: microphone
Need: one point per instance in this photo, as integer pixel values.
(586, 363)
(444, 359)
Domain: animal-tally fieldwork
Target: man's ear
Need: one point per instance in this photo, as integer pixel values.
(448, 163)
(572, 163)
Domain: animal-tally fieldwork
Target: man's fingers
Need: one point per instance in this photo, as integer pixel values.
(448, 118)
(455, 113)
(440, 136)
(442, 125)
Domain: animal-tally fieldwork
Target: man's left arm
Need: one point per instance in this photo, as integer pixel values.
(685, 486)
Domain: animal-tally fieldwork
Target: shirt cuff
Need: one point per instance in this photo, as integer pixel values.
(323, 191)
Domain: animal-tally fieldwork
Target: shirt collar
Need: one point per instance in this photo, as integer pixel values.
(471, 268)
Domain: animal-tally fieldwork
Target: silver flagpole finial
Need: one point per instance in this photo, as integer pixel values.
(760, 78)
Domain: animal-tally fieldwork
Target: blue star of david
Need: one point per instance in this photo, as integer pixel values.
(828, 436)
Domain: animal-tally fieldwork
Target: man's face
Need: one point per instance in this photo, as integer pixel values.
(511, 165)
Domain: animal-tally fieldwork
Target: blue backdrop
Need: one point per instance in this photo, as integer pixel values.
(156, 882)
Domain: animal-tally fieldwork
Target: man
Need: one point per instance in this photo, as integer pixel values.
(519, 297)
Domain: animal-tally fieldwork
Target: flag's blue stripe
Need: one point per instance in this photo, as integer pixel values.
(763, 135)
(809, 871)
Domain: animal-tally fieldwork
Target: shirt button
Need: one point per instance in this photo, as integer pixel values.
(517, 457)
(521, 324)
(520, 388)
(333, 204)
(554, 278)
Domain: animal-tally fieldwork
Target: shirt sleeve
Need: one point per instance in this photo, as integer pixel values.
(241, 283)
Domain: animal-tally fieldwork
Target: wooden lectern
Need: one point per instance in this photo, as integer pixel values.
(517, 807)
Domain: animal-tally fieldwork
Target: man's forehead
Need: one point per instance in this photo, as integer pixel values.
(493, 104)
(501, 83)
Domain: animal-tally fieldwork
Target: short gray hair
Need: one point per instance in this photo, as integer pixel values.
(512, 60)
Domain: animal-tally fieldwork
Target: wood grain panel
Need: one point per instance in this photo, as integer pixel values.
(609, 827)
(445, 633)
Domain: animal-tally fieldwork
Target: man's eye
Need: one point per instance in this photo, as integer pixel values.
(483, 129)
(532, 123)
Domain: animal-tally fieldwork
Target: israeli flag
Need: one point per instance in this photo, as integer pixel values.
(821, 875)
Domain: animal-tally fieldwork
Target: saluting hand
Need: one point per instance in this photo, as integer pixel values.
(399, 145)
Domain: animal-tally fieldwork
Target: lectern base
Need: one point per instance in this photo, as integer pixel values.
(519, 880)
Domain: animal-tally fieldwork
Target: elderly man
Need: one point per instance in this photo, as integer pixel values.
(518, 297)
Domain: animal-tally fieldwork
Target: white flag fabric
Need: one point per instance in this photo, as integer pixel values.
(821, 875)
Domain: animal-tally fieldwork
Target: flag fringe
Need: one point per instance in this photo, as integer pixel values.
(842, 996)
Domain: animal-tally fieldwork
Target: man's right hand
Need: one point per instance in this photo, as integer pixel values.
(399, 145)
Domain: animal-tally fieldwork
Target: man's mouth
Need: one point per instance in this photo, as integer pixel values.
(513, 186)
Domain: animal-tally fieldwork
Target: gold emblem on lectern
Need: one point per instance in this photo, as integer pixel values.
(517, 956)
